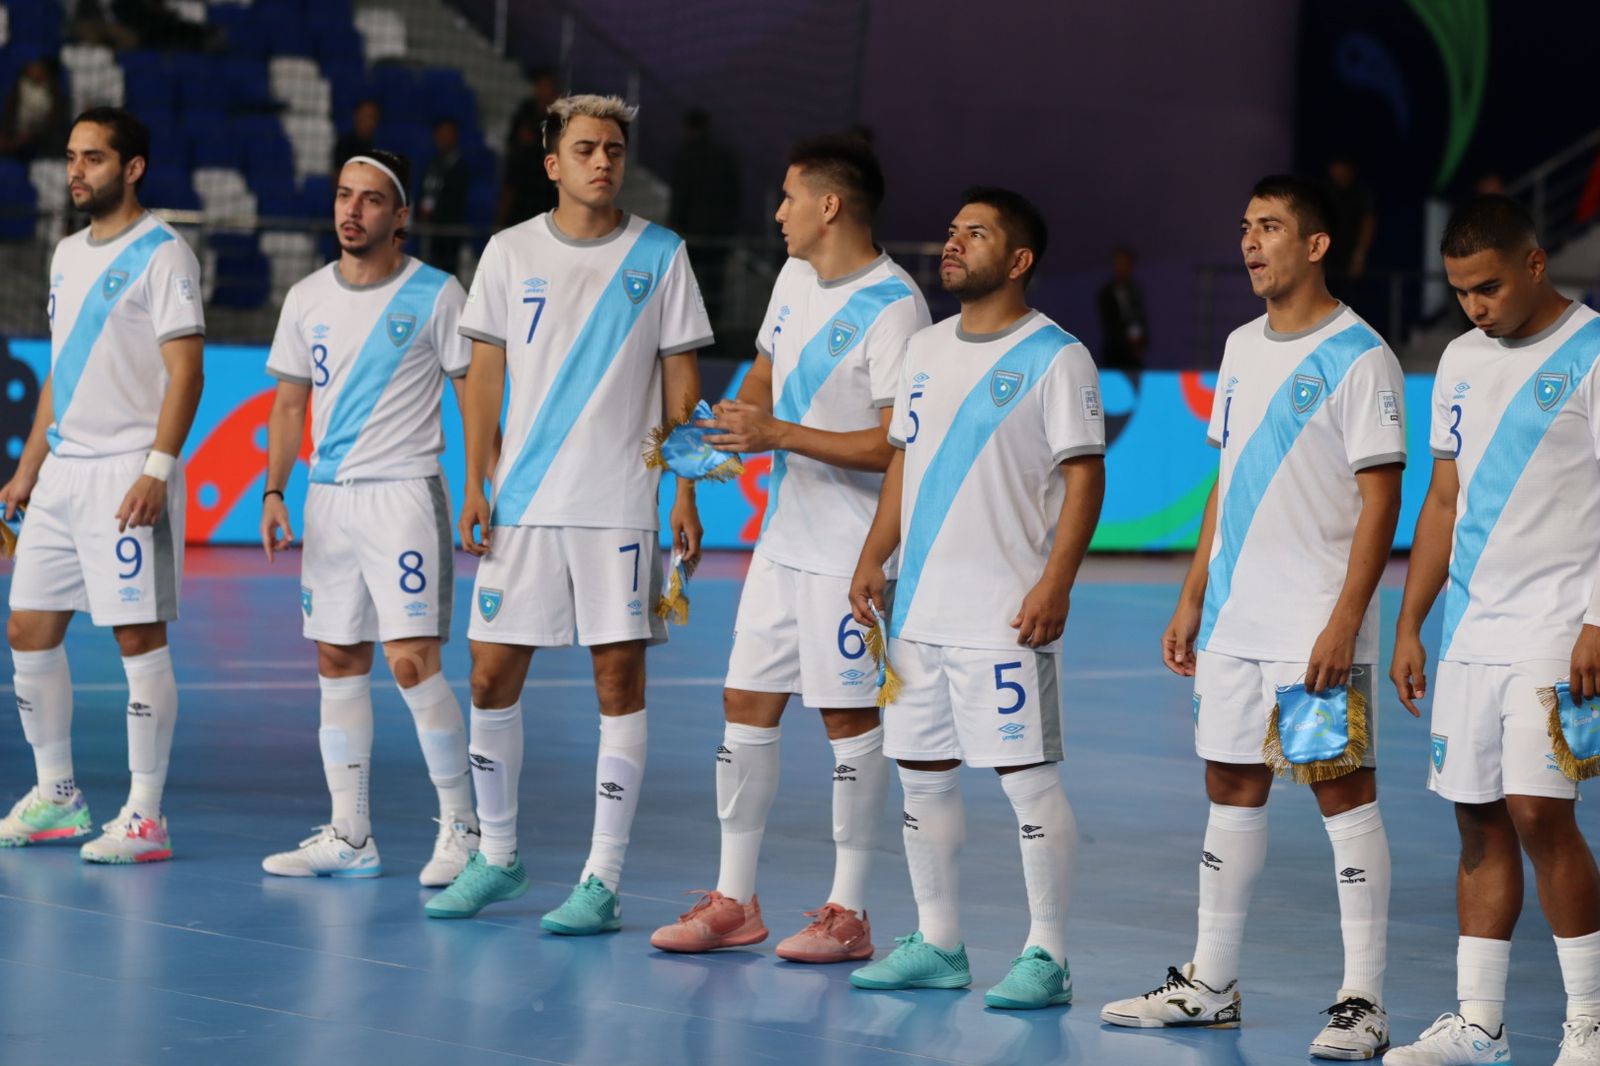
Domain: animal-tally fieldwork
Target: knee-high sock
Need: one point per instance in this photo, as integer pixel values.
(747, 780)
(1234, 853)
(1049, 837)
(1361, 874)
(443, 737)
(935, 829)
(152, 714)
(618, 773)
(860, 784)
(1481, 968)
(1580, 972)
(496, 756)
(346, 741)
(44, 701)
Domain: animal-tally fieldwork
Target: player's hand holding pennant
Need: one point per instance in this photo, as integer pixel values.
(1574, 731)
(1316, 736)
(681, 448)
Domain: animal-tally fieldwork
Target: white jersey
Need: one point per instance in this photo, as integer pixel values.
(835, 348)
(585, 324)
(985, 421)
(112, 304)
(1521, 420)
(1296, 415)
(376, 357)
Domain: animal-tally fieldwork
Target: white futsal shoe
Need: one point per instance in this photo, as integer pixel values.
(1180, 1002)
(452, 849)
(1580, 1042)
(1452, 1041)
(1357, 1029)
(327, 854)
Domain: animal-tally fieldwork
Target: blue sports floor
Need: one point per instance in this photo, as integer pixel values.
(207, 960)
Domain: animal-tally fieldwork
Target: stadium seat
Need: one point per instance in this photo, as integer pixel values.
(383, 33)
(17, 201)
(225, 197)
(243, 276)
(316, 196)
(299, 85)
(95, 76)
(312, 138)
(291, 256)
(170, 190)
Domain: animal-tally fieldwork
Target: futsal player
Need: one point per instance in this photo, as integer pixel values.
(819, 396)
(1308, 418)
(367, 341)
(596, 317)
(992, 501)
(1512, 522)
(103, 488)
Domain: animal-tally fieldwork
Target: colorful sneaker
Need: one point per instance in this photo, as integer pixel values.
(1357, 1029)
(130, 837)
(1580, 1042)
(1035, 982)
(457, 840)
(591, 908)
(480, 884)
(834, 935)
(1453, 1041)
(327, 854)
(34, 819)
(915, 963)
(715, 921)
(1182, 1001)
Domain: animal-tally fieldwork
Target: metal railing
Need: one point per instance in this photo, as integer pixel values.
(1553, 191)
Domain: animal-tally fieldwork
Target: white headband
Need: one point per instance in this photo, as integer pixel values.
(371, 162)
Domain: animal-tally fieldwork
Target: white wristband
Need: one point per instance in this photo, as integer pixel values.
(160, 465)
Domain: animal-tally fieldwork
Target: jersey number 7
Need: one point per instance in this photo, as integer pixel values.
(538, 310)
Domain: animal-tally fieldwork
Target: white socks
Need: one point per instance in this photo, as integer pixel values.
(935, 829)
(617, 774)
(1234, 853)
(346, 741)
(1049, 837)
(443, 736)
(1361, 873)
(1580, 972)
(1481, 967)
(44, 702)
(152, 714)
(496, 756)
(747, 780)
(860, 785)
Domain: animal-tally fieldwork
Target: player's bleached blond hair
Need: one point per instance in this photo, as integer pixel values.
(564, 110)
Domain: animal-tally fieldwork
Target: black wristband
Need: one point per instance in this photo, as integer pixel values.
(272, 492)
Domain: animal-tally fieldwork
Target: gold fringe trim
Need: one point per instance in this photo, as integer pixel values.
(1575, 768)
(877, 647)
(8, 541)
(727, 470)
(674, 604)
(1323, 769)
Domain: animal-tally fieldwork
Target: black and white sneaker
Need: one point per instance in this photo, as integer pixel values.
(1182, 1001)
(1357, 1029)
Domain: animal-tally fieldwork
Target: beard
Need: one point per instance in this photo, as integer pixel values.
(973, 284)
(370, 241)
(106, 199)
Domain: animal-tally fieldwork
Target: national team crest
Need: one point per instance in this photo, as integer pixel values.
(113, 283)
(840, 336)
(1004, 386)
(1548, 390)
(636, 283)
(400, 328)
(1304, 392)
(1440, 743)
(489, 601)
(305, 600)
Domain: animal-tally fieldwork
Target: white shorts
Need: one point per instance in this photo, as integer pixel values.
(539, 584)
(985, 707)
(1490, 733)
(379, 561)
(71, 557)
(1233, 701)
(794, 633)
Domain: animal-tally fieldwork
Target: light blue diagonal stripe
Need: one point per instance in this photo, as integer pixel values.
(69, 365)
(374, 368)
(592, 354)
(1264, 453)
(1522, 427)
(974, 424)
(817, 363)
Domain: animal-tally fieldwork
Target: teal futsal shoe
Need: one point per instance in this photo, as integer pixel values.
(35, 820)
(478, 885)
(915, 963)
(1035, 982)
(592, 908)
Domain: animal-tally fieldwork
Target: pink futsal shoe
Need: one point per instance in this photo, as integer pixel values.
(716, 921)
(835, 934)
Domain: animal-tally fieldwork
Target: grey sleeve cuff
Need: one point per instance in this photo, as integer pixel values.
(1082, 449)
(293, 379)
(180, 332)
(1386, 459)
(679, 349)
(1213, 441)
(498, 342)
(883, 401)
(897, 442)
(1440, 453)
(763, 349)
(455, 374)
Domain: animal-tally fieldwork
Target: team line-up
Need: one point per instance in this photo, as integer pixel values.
(933, 491)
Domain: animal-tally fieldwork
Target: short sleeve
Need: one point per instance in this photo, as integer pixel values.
(1069, 395)
(289, 359)
(885, 346)
(174, 292)
(1443, 429)
(455, 350)
(483, 318)
(685, 326)
(902, 426)
(1217, 426)
(771, 322)
(1370, 405)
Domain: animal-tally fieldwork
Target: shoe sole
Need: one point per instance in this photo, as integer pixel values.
(1131, 1021)
(703, 946)
(431, 913)
(557, 928)
(128, 860)
(1061, 999)
(374, 871)
(45, 836)
(812, 958)
(1318, 1051)
(951, 981)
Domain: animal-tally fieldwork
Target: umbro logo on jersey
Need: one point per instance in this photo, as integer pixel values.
(1305, 391)
(534, 286)
(920, 378)
(843, 772)
(840, 336)
(611, 791)
(637, 283)
(1233, 383)
(1461, 388)
(489, 601)
(138, 710)
(320, 331)
(1032, 832)
(1004, 386)
(1210, 861)
(399, 329)
(1548, 390)
(113, 283)
(481, 762)
(911, 823)
(1351, 875)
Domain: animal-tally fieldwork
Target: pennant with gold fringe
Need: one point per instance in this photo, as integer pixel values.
(680, 446)
(8, 537)
(878, 648)
(674, 604)
(1574, 731)
(1316, 736)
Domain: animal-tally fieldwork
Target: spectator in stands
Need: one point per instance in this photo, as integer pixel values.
(92, 23)
(1124, 328)
(525, 189)
(543, 90)
(33, 120)
(358, 140)
(1354, 221)
(444, 197)
(705, 203)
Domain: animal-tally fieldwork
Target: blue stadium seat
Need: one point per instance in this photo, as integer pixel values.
(316, 196)
(244, 277)
(211, 142)
(17, 201)
(276, 197)
(398, 92)
(412, 140)
(35, 22)
(169, 188)
(169, 147)
(242, 25)
(249, 88)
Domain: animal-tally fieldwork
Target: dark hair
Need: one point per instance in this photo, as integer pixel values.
(1490, 222)
(1308, 201)
(1023, 224)
(395, 162)
(129, 137)
(847, 165)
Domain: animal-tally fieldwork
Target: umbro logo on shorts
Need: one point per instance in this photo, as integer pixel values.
(1210, 861)
(842, 772)
(611, 791)
(1011, 731)
(911, 823)
(1351, 875)
(481, 762)
(1032, 832)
